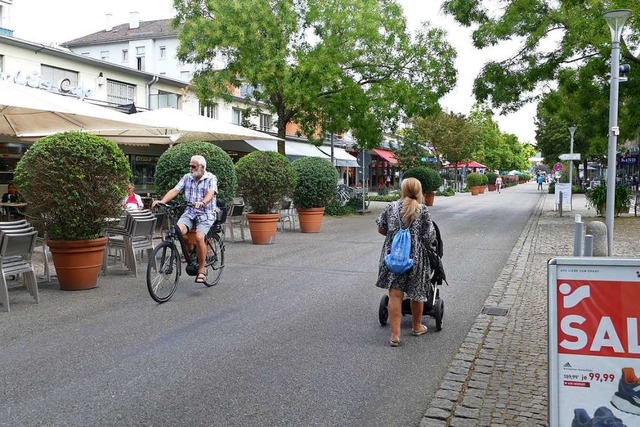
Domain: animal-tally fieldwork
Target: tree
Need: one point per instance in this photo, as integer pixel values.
(554, 36)
(324, 64)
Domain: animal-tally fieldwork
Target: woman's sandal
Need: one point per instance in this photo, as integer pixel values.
(423, 330)
(394, 343)
(201, 278)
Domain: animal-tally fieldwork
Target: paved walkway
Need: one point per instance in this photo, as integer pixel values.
(499, 375)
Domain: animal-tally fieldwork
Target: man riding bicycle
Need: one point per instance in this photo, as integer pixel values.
(200, 189)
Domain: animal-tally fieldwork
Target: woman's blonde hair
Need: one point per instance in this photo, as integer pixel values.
(411, 192)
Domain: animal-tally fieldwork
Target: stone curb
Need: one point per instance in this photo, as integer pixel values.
(464, 397)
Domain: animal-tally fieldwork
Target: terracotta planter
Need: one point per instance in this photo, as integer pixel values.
(429, 196)
(482, 187)
(475, 190)
(310, 219)
(77, 262)
(263, 228)
(492, 187)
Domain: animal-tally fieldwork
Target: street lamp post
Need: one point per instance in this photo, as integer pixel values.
(616, 20)
(572, 130)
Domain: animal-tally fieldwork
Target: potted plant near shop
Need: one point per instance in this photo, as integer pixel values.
(430, 181)
(74, 182)
(485, 181)
(474, 182)
(264, 179)
(316, 182)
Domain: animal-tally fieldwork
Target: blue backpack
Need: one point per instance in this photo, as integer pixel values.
(399, 260)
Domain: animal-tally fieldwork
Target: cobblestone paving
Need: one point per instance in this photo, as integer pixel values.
(499, 375)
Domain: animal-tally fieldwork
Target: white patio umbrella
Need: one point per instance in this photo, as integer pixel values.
(30, 113)
(199, 128)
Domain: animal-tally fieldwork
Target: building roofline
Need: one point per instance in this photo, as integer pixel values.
(38, 47)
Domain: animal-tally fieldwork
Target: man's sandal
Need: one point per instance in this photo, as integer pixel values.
(201, 278)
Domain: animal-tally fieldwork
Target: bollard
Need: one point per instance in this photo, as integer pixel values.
(560, 206)
(577, 237)
(588, 245)
(598, 230)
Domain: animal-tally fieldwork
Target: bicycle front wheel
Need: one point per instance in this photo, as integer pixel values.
(215, 259)
(163, 272)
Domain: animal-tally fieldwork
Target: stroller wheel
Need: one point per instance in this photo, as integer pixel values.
(438, 313)
(383, 313)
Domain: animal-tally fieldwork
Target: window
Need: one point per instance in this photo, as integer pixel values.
(265, 122)
(246, 90)
(209, 110)
(163, 100)
(56, 75)
(120, 93)
(1, 63)
(125, 55)
(104, 55)
(140, 58)
(163, 52)
(236, 116)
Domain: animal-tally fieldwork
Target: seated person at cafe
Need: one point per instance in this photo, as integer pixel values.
(132, 200)
(12, 196)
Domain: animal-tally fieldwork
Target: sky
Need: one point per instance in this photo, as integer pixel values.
(63, 20)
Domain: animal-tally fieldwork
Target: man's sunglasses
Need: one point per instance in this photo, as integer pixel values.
(193, 166)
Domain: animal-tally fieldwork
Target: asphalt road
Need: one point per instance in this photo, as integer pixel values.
(290, 336)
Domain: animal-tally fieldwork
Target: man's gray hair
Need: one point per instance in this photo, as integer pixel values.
(200, 160)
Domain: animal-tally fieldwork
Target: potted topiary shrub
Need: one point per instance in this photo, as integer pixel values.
(485, 181)
(430, 180)
(316, 182)
(491, 180)
(74, 182)
(264, 179)
(172, 165)
(474, 182)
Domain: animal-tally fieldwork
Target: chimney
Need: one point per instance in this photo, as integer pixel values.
(108, 25)
(134, 21)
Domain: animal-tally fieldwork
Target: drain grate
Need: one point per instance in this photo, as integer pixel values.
(494, 311)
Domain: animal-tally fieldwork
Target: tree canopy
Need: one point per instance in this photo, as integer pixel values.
(326, 65)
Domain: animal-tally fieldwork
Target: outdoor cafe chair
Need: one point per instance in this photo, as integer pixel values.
(138, 236)
(287, 214)
(16, 251)
(235, 218)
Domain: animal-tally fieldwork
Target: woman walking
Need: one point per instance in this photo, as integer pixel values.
(408, 212)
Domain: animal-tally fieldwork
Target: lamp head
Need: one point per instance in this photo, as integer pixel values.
(572, 129)
(616, 20)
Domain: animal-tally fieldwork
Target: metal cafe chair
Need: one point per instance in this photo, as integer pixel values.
(287, 214)
(16, 251)
(235, 218)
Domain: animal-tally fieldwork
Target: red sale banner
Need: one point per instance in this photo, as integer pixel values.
(598, 318)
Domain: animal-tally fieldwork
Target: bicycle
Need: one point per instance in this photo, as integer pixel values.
(164, 268)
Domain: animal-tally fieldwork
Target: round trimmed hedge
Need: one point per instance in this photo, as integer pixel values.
(316, 182)
(429, 178)
(264, 179)
(73, 181)
(173, 165)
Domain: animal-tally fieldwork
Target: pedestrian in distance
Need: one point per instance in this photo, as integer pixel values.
(540, 180)
(409, 212)
(200, 189)
(499, 183)
(132, 200)
(12, 196)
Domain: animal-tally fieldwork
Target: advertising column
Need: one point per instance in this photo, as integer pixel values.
(594, 348)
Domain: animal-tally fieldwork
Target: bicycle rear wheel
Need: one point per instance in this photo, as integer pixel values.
(163, 272)
(215, 259)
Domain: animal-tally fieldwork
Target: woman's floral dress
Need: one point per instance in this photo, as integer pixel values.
(415, 283)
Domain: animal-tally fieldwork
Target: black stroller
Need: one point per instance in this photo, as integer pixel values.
(434, 306)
